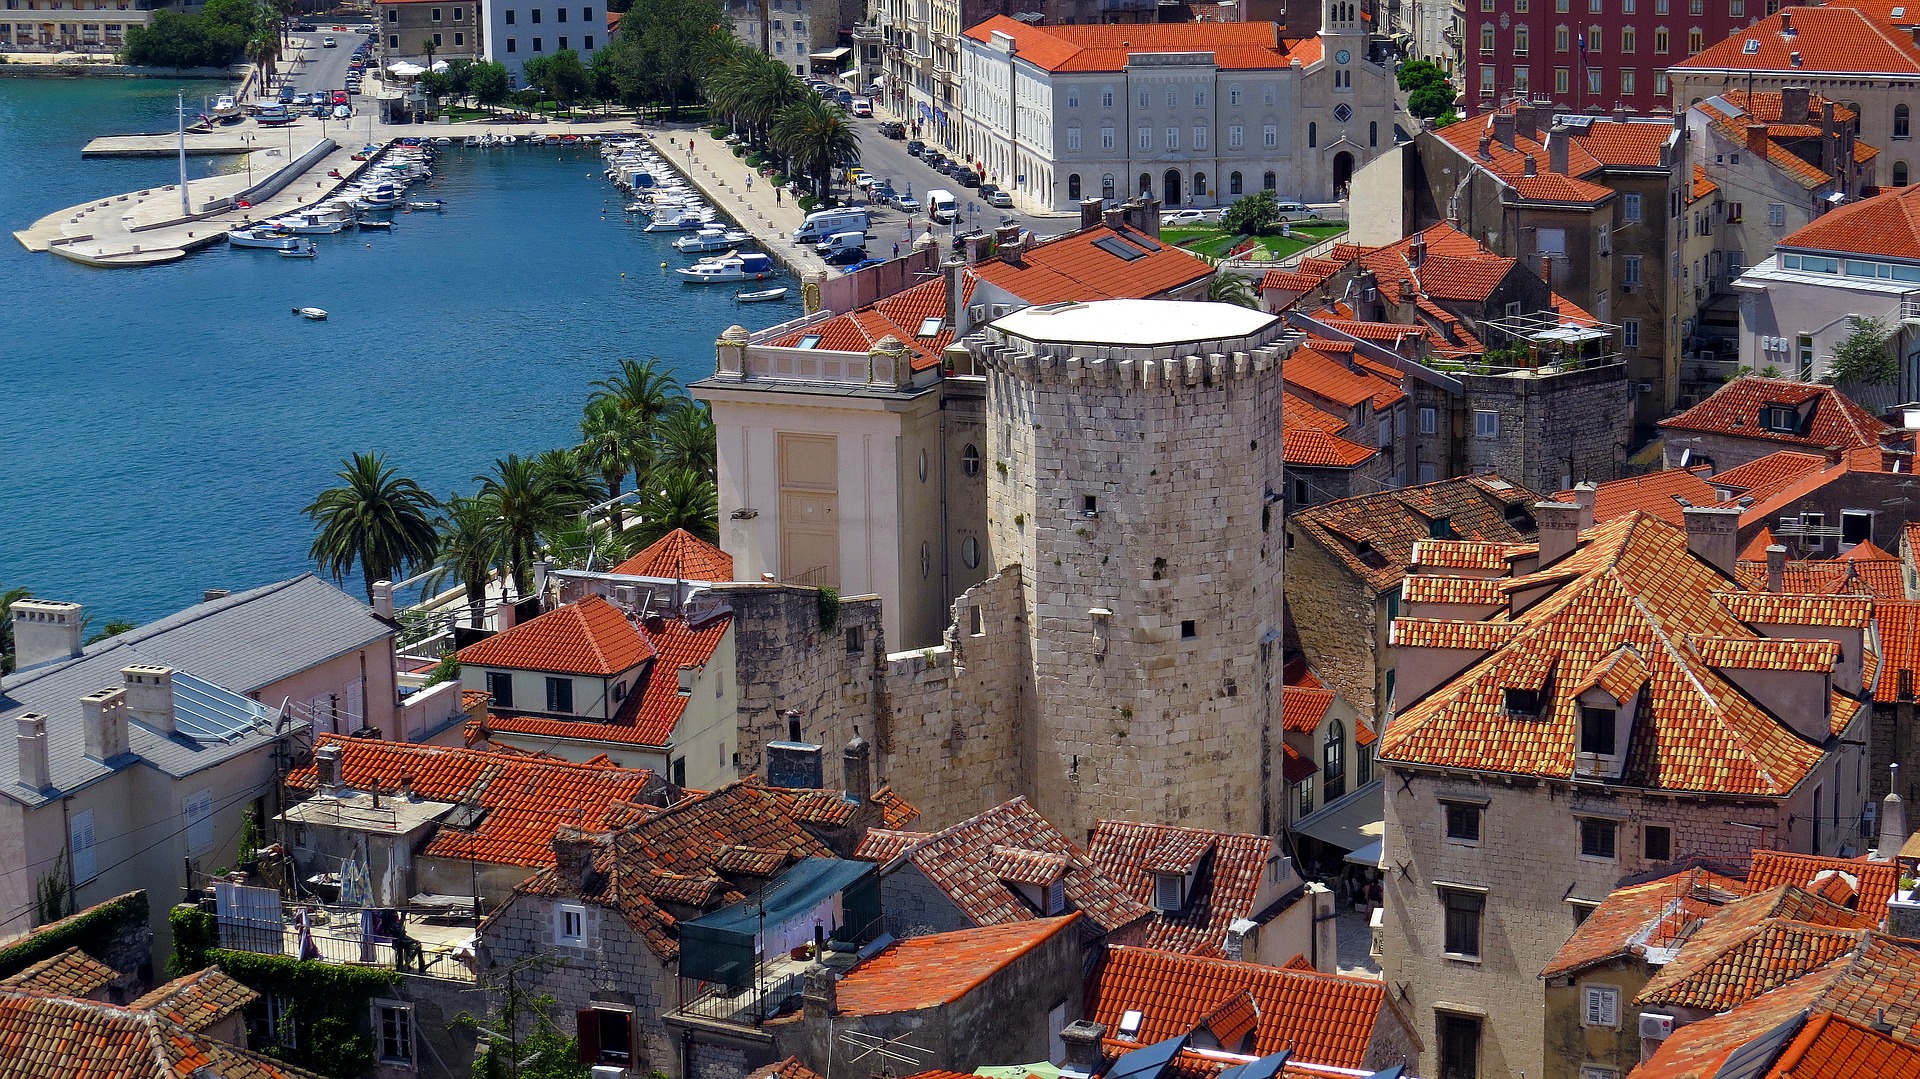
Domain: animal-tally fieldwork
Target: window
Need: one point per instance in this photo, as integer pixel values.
(1463, 910)
(80, 847)
(1270, 137)
(1598, 729)
(560, 15)
(1236, 136)
(1562, 80)
(1200, 98)
(1333, 759)
(1073, 97)
(1146, 99)
(1593, 82)
(393, 15)
(1313, 135)
(1167, 891)
(1146, 138)
(1459, 1037)
(1234, 183)
(1597, 837)
(1073, 138)
(1562, 39)
(1900, 174)
(1269, 181)
(1659, 843)
(512, 45)
(1486, 423)
(1233, 95)
(1269, 94)
(1521, 77)
(1188, 629)
(570, 925)
(536, 44)
(1630, 207)
(1901, 120)
(281, 1027)
(1856, 526)
(1106, 137)
(393, 42)
(1630, 333)
(1803, 348)
(1602, 1006)
(459, 14)
(1783, 417)
(436, 41)
(604, 1036)
(1173, 98)
(970, 460)
(1107, 187)
(1662, 41)
(559, 694)
(970, 552)
(1628, 81)
(1520, 40)
(1776, 215)
(1173, 138)
(1629, 40)
(1304, 791)
(510, 16)
(1106, 97)
(1595, 39)
(460, 38)
(1486, 39)
(1660, 82)
(395, 1023)
(1463, 821)
(436, 14)
(1696, 40)
(197, 808)
(1199, 143)
(1429, 419)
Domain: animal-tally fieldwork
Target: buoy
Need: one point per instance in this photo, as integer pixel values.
(623, 277)
(369, 245)
(663, 265)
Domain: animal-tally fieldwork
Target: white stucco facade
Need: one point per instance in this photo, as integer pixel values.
(520, 30)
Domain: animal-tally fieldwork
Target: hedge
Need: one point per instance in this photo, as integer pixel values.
(329, 1007)
(92, 931)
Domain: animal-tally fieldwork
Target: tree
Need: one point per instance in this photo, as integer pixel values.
(615, 441)
(603, 77)
(113, 628)
(378, 519)
(1251, 213)
(565, 78)
(685, 438)
(1864, 359)
(1233, 288)
(1418, 73)
(469, 549)
(525, 506)
(677, 498)
(664, 46)
(459, 75)
(1430, 102)
(487, 81)
(643, 388)
(814, 137)
(8, 598)
(177, 40)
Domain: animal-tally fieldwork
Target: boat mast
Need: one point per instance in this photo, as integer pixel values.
(186, 207)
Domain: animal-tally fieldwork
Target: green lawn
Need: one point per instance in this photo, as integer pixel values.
(1212, 242)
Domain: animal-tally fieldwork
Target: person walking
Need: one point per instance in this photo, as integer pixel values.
(776, 194)
(749, 183)
(896, 249)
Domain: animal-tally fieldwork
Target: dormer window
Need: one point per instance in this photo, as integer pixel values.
(1169, 891)
(1055, 899)
(1523, 703)
(1782, 418)
(1599, 731)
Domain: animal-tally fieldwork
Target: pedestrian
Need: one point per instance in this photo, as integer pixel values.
(749, 183)
(776, 194)
(896, 249)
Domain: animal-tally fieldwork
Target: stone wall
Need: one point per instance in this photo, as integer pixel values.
(785, 659)
(1551, 427)
(1331, 613)
(1571, 1043)
(915, 908)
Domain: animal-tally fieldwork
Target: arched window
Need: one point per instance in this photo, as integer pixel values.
(1146, 183)
(970, 460)
(1073, 187)
(1313, 135)
(1373, 132)
(1899, 174)
(1199, 183)
(1270, 182)
(1106, 187)
(1900, 122)
(1233, 183)
(1333, 759)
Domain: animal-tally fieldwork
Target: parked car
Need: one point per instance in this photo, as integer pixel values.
(846, 257)
(301, 101)
(1190, 217)
(968, 178)
(286, 95)
(882, 193)
(339, 97)
(915, 147)
(304, 28)
(863, 264)
(862, 106)
(1000, 200)
(907, 204)
(894, 129)
(1298, 211)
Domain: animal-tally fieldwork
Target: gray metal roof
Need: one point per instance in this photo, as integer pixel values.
(234, 645)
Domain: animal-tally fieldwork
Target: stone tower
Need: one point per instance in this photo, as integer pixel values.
(1136, 479)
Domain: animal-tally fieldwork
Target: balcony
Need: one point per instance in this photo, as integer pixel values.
(1910, 308)
(776, 985)
(868, 35)
(435, 936)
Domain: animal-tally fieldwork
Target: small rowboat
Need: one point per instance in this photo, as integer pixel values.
(375, 223)
(306, 252)
(765, 295)
(314, 313)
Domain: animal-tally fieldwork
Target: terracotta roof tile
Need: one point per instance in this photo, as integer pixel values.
(1643, 918)
(1509, 164)
(790, 1068)
(1702, 187)
(680, 555)
(1826, 40)
(1830, 1047)
(1657, 493)
(53, 1037)
(1766, 608)
(1763, 477)
(1295, 765)
(895, 810)
(1753, 946)
(1309, 369)
(524, 797)
(1899, 624)
(1434, 588)
(1767, 654)
(1234, 45)
(1020, 866)
(1865, 570)
(1073, 267)
(1326, 1019)
(1886, 224)
(886, 844)
(1302, 710)
(72, 973)
(1698, 1049)
(1304, 447)
(928, 971)
(1228, 870)
(1433, 554)
(589, 636)
(1876, 880)
(1828, 417)
(198, 1000)
(653, 706)
(1374, 535)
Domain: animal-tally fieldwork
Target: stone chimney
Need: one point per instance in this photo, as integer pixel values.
(1794, 108)
(856, 760)
(1090, 212)
(1776, 568)
(1559, 530)
(328, 774)
(954, 271)
(688, 673)
(1786, 23)
(105, 715)
(1893, 819)
(1417, 250)
(541, 569)
(30, 745)
(1503, 126)
(149, 691)
(1526, 121)
(820, 996)
(1558, 142)
(45, 630)
(1114, 218)
(1532, 166)
(1144, 214)
(1486, 147)
(1013, 253)
(1713, 535)
(1757, 140)
(573, 851)
(1619, 114)
(383, 599)
(1082, 1040)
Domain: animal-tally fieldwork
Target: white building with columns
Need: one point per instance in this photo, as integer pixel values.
(1195, 114)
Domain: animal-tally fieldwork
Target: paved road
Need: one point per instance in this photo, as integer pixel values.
(320, 68)
(889, 160)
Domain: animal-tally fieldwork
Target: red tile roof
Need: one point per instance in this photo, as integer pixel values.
(53, 1037)
(1830, 1047)
(1508, 163)
(1624, 145)
(1234, 45)
(1702, 186)
(653, 706)
(199, 1000)
(959, 860)
(1295, 765)
(1228, 870)
(1828, 417)
(1311, 370)
(926, 972)
(1764, 477)
(1876, 880)
(1326, 1019)
(1763, 109)
(680, 555)
(1637, 919)
(1072, 267)
(1631, 582)
(1455, 266)
(72, 973)
(1374, 535)
(1864, 570)
(1302, 710)
(1825, 41)
(589, 636)
(1899, 624)
(1753, 946)
(790, 1068)
(525, 797)
(1886, 224)
(1656, 493)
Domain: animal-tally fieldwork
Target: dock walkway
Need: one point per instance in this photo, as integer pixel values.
(722, 178)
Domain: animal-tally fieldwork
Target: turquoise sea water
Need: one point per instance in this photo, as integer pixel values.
(160, 429)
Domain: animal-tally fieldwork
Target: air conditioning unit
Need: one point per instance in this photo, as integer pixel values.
(1656, 1027)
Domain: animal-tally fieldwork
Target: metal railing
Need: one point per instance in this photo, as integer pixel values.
(747, 1007)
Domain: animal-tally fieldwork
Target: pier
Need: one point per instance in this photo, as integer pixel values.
(721, 177)
(220, 141)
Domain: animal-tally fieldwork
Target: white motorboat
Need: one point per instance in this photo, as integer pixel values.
(765, 295)
(376, 223)
(712, 240)
(381, 196)
(262, 236)
(310, 251)
(226, 108)
(315, 222)
(427, 204)
(314, 313)
(752, 266)
(679, 221)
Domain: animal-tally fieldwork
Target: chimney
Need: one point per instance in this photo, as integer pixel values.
(572, 854)
(1619, 114)
(1757, 140)
(149, 695)
(1081, 1041)
(1585, 495)
(1532, 166)
(383, 599)
(1091, 212)
(328, 773)
(1559, 529)
(1006, 234)
(1713, 535)
(212, 594)
(1114, 218)
(1486, 148)
(540, 571)
(1776, 568)
(1546, 268)
(1786, 23)
(972, 248)
(1012, 253)
(820, 994)
(1417, 250)
(1893, 819)
(1794, 107)
(105, 715)
(955, 272)
(45, 630)
(1503, 129)
(31, 748)
(1558, 141)
(856, 759)
(688, 672)
(1826, 112)
(1526, 121)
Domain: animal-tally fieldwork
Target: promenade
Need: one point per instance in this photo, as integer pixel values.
(722, 178)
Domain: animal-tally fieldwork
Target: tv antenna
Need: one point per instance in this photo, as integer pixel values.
(891, 1051)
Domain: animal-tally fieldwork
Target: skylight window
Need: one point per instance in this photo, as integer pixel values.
(811, 340)
(1750, 47)
(931, 327)
(1119, 248)
(1130, 1024)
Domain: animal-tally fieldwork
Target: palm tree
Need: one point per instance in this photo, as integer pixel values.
(469, 549)
(378, 519)
(578, 544)
(614, 441)
(8, 598)
(570, 476)
(815, 137)
(769, 89)
(645, 389)
(685, 438)
(677, 498)
(1233, 288)
(261, 51)
(525, 505)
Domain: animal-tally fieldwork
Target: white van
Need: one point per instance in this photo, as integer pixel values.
(942, 206)
(841, 241)
(821, 224)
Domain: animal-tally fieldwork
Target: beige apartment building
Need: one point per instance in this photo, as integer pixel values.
(411, 29)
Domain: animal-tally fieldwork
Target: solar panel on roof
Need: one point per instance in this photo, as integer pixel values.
(1755, 1057)
(1141, 239)
(1118, 248)
(1148, 1062)
(1265, 1068)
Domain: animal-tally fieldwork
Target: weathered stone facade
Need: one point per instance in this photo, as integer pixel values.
(1553, 430)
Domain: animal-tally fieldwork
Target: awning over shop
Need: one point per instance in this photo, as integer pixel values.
(830, 55)
(1373, 855)
(1349, 823)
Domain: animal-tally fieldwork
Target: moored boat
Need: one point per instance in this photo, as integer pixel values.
(765, 295)
(315, 313)
(311, 250)
(752, 266)
(262, 236)
(712, 239)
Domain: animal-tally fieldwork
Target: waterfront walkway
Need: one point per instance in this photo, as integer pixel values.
(722, 178)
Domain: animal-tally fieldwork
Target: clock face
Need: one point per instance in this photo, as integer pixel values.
(1342, 56)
